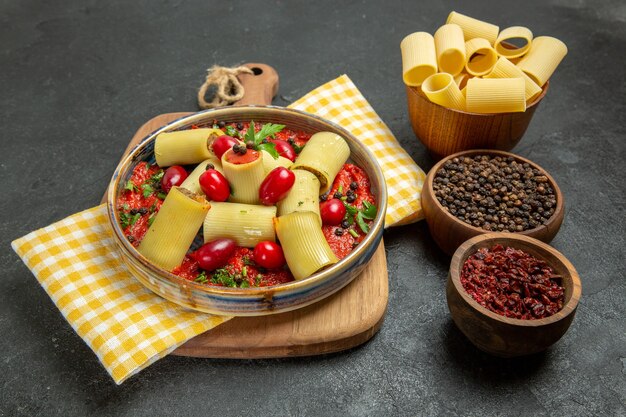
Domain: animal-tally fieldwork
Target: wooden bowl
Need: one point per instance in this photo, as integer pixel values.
(446, 131)
(449, 232)
(503, 336)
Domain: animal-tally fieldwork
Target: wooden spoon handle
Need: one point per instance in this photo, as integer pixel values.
(259, 87)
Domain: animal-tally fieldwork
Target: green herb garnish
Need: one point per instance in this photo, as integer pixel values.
(147, 190)
(231, 131)
(297, 149)
(256, 138)
(223, 277)
(202, 278)
(257, 280)
(161, 195)
(244, 272)
(151, 219)
(369, 210)
(135, 218)
(353, 233)
(300, 203)
(361, 222)
(124, 219)
(130, 186)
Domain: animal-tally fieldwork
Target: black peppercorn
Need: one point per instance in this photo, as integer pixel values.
(239, 126)
(339, 231)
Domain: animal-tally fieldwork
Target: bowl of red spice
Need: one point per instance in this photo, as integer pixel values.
(482, 191)
(511, 295)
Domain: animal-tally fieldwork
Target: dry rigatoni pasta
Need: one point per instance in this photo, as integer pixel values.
(545, 54)
(441, 89)
(244, 178)
(480, 57)
(450, 47)
(505, 43)
(419, 59)
(505, 69)
(474, 28)
(495, 95)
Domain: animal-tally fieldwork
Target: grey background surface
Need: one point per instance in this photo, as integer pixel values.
(77, 78)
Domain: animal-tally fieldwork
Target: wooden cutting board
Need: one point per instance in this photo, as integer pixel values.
(342, 321)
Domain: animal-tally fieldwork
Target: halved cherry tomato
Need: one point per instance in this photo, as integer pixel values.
(214, 254)
(332, 211)
(173, 177)
(284, 149)
(214, 185)
(222, 144)
(276, 185)
(268, 254)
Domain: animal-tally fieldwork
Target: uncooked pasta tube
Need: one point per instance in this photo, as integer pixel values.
(269, 163)
(495, 95)
(505, 69)
(474, 28)
(419, 60)
(450, 47)
(191, 182)
(505, 38)
(545, 54)
(175, 225)
(441, 89)
(480, 57)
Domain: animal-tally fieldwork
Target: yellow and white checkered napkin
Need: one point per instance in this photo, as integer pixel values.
(128, 327)
(341, 102)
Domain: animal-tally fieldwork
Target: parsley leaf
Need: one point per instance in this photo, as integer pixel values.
(353, 233)
(151, 219)
(369, 210)
(359, 220)
(156, 178)
(250, 136)
(268, 129)
(135, 218)
(222, 276)
(269, 148)
(202, 278)
(130, 186)
(231, 131)
(124, 219)
(350, 210)
(163, 195)
(147, 190)
(296, 148)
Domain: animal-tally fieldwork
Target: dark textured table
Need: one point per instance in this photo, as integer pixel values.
(79, 77)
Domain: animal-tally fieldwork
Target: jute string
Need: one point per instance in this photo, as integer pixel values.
(229, 89)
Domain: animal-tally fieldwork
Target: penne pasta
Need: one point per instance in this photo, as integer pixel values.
(191, 182)
(244, 178)
(545, 54)
(496, 95)
(269, 163)
(450, 47)
(506, 37)
(419, 60)
(441, 89)
(183, 147)
(474, 28)
(505, 69)
(305, 248)
(303, 196)
(324, 155)
(480, 57)
(176, 224)
(246, 224)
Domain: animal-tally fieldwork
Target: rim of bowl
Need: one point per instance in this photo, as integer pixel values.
(535, 102)
(462, 253)
(557, 191)
(339, 267)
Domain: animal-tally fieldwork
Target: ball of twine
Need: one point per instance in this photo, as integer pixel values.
(229, 89)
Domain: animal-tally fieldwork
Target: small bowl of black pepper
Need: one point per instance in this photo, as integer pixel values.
(484, 191)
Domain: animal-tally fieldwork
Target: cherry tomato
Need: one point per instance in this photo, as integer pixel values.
(284, 149)
(173, 177)
(222, 144)
(332, 211)
(276, 185)
(268, 255)
(214, 185)
(214, 254)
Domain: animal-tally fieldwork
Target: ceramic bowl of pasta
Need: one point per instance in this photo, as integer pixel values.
(247, 210)
(474, 85)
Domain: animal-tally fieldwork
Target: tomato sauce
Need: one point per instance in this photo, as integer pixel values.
(237, 159)
(142, 198)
